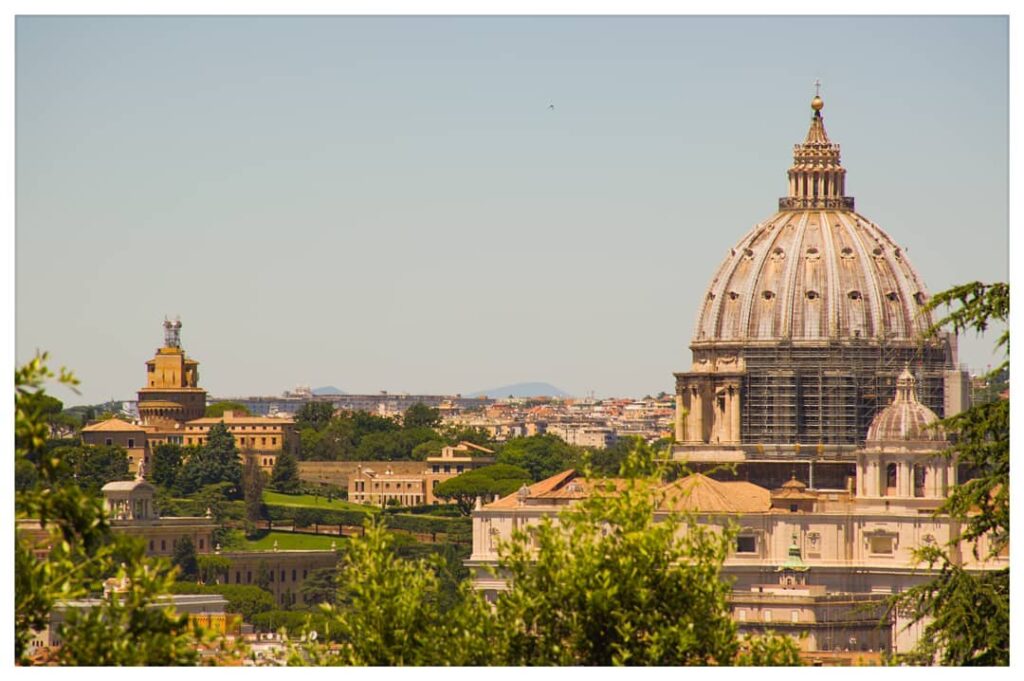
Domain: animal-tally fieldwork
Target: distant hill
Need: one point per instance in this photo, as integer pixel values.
(328, 390)
(521, 390)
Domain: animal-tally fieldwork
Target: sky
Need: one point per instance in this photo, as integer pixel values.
(392, 203)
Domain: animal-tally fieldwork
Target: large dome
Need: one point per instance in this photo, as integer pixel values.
(806, 326)
(816, 270)
(813, 275)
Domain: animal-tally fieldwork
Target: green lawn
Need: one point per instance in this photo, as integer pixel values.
(287, 541)
(310, 501)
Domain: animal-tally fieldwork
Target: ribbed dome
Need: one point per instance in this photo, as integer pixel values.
(906, 419)
(816, 270)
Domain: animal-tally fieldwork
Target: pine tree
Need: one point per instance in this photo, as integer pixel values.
(285, 477)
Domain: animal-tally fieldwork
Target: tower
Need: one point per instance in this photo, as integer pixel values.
(171, 394)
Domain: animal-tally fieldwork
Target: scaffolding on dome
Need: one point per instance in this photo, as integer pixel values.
(829, 394)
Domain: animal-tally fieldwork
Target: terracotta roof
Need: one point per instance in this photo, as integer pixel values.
(697, 493)
(112, 426)
(701, 494)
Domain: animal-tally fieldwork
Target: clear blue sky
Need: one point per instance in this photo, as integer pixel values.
(389, 203)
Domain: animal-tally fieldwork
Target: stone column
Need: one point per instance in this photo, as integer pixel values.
(680, 435)
(734, 399)
(905, 479)
(696, 433)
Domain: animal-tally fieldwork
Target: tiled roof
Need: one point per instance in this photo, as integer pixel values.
(112, 426)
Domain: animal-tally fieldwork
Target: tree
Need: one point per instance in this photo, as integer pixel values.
(184, 558)
(388, 613)
(252, 483)
(285, 476)
(217, 409)
(483, 482)
(321, 586)
(245, 599)
(969, 613)
(608, 584)
(420, 415)
(214, 462)
(211, 566)
(314, 415)
(92, 466)
(542, 455)
(167, 462)
(123, 629)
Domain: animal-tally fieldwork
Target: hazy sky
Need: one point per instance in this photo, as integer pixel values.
(390, 203)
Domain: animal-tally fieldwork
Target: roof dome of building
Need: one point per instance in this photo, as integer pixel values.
(816, 270)
(906, 419)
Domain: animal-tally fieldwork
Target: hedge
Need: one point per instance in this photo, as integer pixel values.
(457, 529)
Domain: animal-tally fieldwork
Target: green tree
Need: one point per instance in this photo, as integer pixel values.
(314, 415)
(184, 558)
(253, 480)
(92, 466)
(244, 599)
(285, 477)
(392, 445)
(420, 415)
(389, 613)
(215, 462)
(167, 462)
(483, 482)
(211, 567)
(542, 455)
(123, 629)
(321, 586)
(968, 614)
(609, 584)
(217, 409)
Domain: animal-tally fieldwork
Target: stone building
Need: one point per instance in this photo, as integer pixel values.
(802, 332)
(261, 437)
(378, 483)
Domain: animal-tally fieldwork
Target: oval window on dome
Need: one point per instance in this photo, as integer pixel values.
(748, 253)
(767, 295)
(733, 295)
(897, 254)
(711, 296)
(812, 295)
(854, 295)
(919, 298)
(877, 252)
(892, 296)
(812, 251)
(846, 252)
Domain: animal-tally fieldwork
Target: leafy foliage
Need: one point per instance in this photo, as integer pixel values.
(217, 409)
(420, 415)
(92, 466)
(243, 599)
(253, 480)
(968, 613)
(216, 462)
(499, 478)
(82, 552)
(609, 584)
(184, 558)
(541, 455)
(167, 463)
(285, 477)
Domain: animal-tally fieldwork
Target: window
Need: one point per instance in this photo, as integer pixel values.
(458, 469)
(263, 441)
(767, 616)
(151, 544)
(447, 468)
(108, 441)
(794, 616)
(131, 443)
(248, 577)
(881, 544)
(202, 543)
(741, 615)
(294, 577)
(282, 575)
(238, 577)
(920, 477)
(890, 480)
(437, 469)
(303, 574)
(273, 440)
(271, 575)
(746, 544)
(793, 508)
(163, 545)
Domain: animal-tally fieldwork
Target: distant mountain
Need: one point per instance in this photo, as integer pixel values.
(521, 390)
(328, 390)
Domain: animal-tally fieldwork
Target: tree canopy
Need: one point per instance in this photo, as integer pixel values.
(485, 482)
(541, 455)
(217, 409)
(285, 476)
(215, 462)
(967, 614)
(420, 415)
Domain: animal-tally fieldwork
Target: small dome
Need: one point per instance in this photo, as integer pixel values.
(906, 419)
(817, 103)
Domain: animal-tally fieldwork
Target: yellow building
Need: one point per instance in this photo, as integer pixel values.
(118, 433)
(379, 486)
(263, 437)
